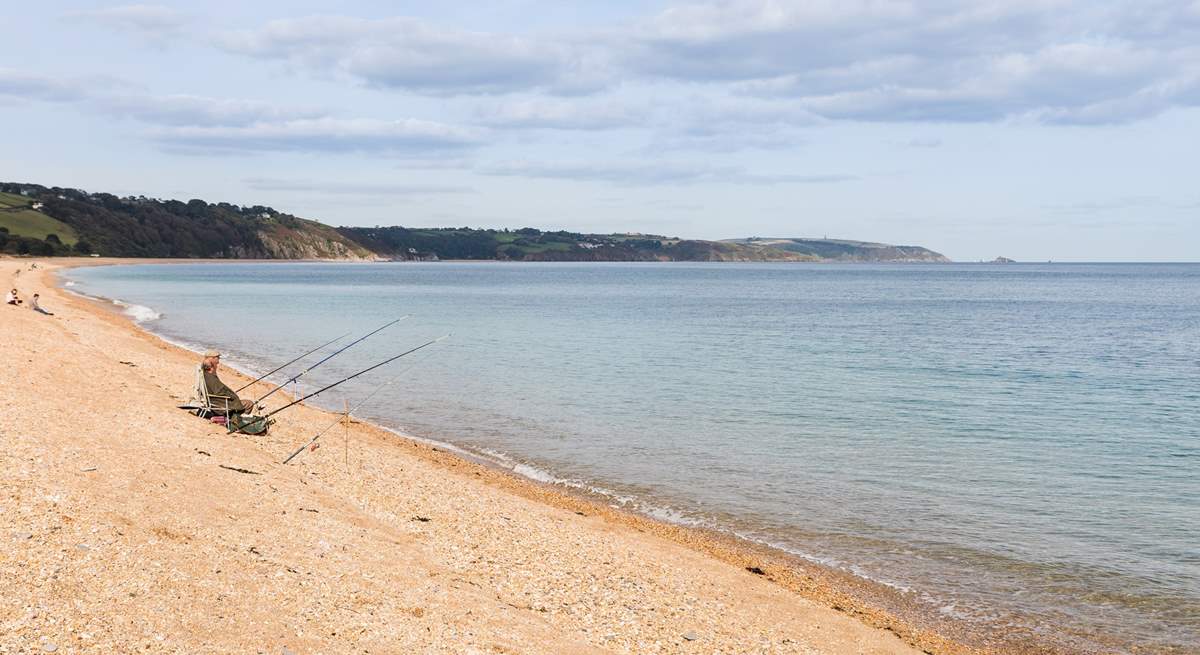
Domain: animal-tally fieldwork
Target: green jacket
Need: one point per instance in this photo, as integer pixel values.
(215, 387)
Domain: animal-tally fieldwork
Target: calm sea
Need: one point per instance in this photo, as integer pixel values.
(1013, 446)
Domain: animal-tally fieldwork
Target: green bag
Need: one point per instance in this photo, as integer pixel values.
(248, 424)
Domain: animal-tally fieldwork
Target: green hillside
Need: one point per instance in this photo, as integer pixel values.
(17, 216)
(76, 222)
(531, 244)
(844, 250)
(138, 226)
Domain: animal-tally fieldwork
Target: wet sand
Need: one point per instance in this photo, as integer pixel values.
(129, 524)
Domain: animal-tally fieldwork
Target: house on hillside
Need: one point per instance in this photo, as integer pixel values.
(37, 206)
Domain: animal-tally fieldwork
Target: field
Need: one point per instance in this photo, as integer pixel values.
(20, 220)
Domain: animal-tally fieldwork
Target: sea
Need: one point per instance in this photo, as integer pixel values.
(1012, 447)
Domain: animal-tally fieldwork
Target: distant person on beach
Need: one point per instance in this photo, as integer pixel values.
(33, 304)
(12, 298)
(217, 390)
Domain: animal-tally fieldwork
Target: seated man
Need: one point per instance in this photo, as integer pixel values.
(219, 395)
(12, 298)
(33, 304)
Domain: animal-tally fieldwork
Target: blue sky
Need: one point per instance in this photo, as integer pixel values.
(1034, 129)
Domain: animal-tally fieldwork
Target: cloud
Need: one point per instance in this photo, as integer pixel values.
(716, 123)
(351, 188)
(1091, 207)
(922, 142)
(650, 173)
(1053, 61)
(149, 20)
(173, 110)
(1048, 60)
(24, 86)
(321, 135)
(559, 114)
(185, 110)
(406, 53)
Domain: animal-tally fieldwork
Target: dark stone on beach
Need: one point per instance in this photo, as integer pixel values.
(237, 469)
(755, 570)
(422, 519)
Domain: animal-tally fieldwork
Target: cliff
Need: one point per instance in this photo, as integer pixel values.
(847, 251)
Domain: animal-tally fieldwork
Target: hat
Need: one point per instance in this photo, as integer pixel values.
(212, 353)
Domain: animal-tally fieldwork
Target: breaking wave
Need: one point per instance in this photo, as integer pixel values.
(139, 313)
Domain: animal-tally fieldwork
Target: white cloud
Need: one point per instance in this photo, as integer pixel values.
(941, 61)
(651, 173)
(405, 53)
(560, 114)
(330, 135)
(149, 20)
(183, 110)
(352, 188)
(26, 86)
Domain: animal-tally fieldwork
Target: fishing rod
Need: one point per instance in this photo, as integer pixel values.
(350, 411)
(327, 358)
(262, 419)
(266, 375)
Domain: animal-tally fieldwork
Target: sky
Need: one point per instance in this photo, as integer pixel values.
(1063, 130)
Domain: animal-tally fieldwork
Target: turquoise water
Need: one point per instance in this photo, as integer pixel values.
(1016, 447)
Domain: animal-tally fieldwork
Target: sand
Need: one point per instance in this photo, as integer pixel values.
(124, 529)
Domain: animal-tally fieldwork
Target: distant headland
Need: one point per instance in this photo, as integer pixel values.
(47, 221)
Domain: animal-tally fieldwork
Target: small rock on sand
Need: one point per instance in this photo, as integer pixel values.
(49, 647)
(690, 636)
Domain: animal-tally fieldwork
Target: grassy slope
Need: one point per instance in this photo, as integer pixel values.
(29, 223)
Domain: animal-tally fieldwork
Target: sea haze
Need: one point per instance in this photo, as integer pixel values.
(1017, 446)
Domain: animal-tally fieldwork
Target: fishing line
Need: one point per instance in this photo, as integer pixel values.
(262, 419)
(356, 407)
(265, 375)
(329, 357)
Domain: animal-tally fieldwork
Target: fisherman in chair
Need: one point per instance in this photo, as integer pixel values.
(219, 398)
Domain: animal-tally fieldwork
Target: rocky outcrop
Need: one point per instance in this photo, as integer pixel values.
(310, 240)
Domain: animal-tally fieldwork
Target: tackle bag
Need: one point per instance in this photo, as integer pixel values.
(249, 424)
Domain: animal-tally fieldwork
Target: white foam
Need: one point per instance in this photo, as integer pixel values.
(70, 283)
(139, 313)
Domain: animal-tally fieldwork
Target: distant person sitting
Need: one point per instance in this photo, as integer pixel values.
(33, 304)
(12, 298)
(220, 396)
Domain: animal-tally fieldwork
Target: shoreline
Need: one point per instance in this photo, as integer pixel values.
(836, 591)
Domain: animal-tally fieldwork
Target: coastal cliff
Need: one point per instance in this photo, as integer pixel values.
(846, 251)
(48, 221)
